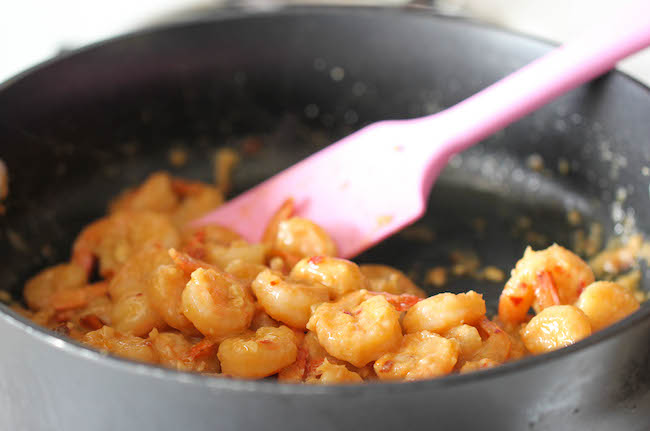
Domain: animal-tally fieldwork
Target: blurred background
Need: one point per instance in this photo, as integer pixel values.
(34, 30)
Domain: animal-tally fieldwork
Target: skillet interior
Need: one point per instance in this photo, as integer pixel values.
(78, 130)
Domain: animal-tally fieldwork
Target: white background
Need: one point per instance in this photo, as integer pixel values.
(34, 30)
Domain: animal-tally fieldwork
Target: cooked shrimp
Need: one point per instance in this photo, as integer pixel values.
(245, 271)
(217, 304)
(79, 297)
(442, 312)
(358, 334)
(310, 356)
(127, 346)
(196, 200)
(327, 373)
(165, 290)
(383, 278)
(303, 238)
(468, 338)
(262, 319)
(259, 354)
(497, 344)
(555, 327)
(480, 364)
(606, 303)
(541, 279)
(421, 355)
(176, 351)
(132, 310)
(195, 241)
(114, 239)
(287, 301)
(154, 194)
(285, 212)
(339, 275)
(40, 288)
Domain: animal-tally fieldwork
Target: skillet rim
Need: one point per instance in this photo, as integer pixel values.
(77, 349)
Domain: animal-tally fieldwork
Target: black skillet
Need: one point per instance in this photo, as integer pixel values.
(78, 129)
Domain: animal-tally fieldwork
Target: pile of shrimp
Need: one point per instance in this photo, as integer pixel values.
(142, 285)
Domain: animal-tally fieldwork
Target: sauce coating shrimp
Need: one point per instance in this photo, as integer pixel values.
(358, 334)
(156, 193)
(175, 351)
(328, 373)
(383, 278)
(469, 341)
(114, 239)
(421, 355)
(132, 310)
(40, 288)
(606, 303)
(303, 238)
(442, 312)
(339, 275)
(125, 345)
(288, 301)
(196, 199)
(218, 305)
(165, 290)
(541, 279)
(259, 354)
(555, 327)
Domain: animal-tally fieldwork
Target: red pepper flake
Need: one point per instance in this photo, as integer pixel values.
(516, 300)
(316, 259)
(347, 312)
(274, 282)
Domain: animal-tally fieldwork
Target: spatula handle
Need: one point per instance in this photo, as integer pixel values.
(593, 53)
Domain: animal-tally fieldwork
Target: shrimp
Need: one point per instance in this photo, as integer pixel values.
(196, 200)
(421, 355)
(289, 302)
(260, 354)
(132, 310)
(605, 303)
(125, 345)
(218, 305)
(154, 194)
(357, 334)
(245, 271)
(555, 327)
(114, 239)
(219, 246)
(480, 364)
(541, 279)
(176, 351)
(497, 344)
(310, 356)
(262, 319)
(339, 275)
(383, 278)
(195, 241)
(40, 288)
(303, 238)
(79, 297)
(469, 341)
(164, 290)
(327, 373)
(440, 313)
(285, 211)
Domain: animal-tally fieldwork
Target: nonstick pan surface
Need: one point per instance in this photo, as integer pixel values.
(80, 128)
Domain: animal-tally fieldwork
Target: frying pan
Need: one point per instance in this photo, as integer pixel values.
(78, 129)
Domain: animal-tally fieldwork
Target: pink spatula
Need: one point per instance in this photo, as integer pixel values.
(376, 181)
